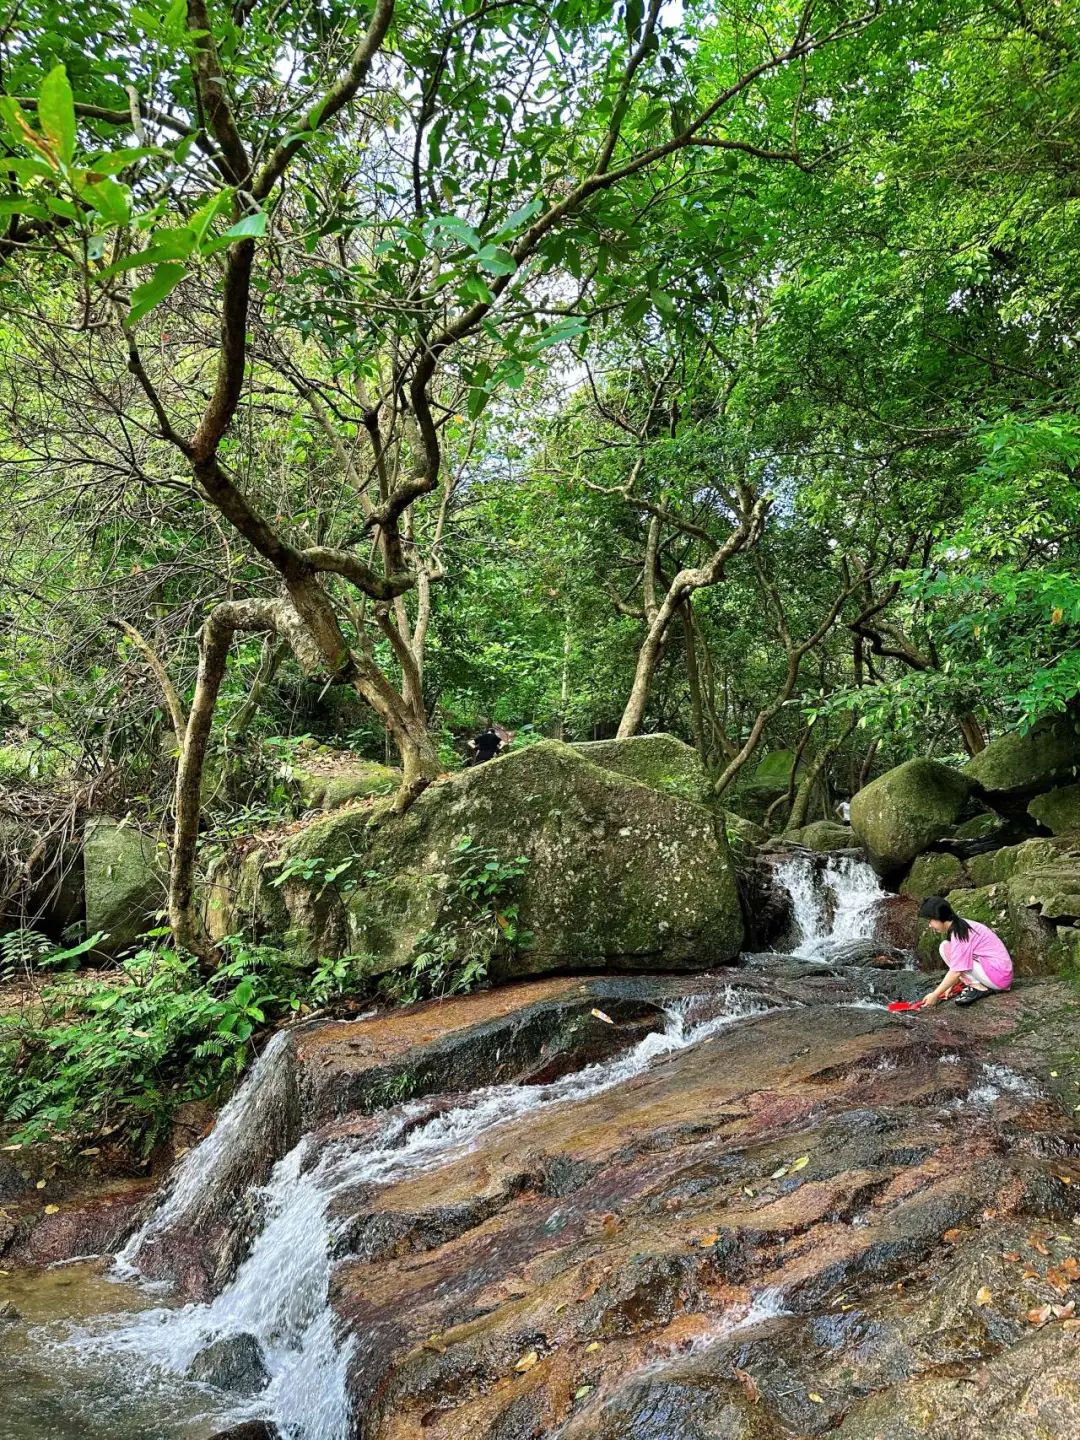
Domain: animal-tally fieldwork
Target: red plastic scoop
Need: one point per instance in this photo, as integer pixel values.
(918, 1004)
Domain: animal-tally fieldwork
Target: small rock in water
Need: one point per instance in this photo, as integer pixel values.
(8, 1312)
(249, 1430)
(234, 1362)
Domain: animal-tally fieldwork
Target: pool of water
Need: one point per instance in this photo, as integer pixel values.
(50, 1390)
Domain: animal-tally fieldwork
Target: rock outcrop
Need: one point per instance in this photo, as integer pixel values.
(1015, 767)
(660, 761)
(124, 880)
(600, 870)
(899, 815)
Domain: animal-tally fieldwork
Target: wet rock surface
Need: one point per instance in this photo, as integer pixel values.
(885, 1185)
(818, 1218)
(234, 1362)
(752, 1203)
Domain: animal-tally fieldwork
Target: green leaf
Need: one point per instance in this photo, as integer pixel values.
(151, 292)
(56, 111)
(111, 200)
(513, 223)
(249, 227)
(496, 260)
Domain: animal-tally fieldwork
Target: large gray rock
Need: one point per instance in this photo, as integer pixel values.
(906, 810)
(614, 873)
(125, 882)
(1015, 765)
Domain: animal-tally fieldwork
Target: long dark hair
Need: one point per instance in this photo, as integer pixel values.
(936, 908)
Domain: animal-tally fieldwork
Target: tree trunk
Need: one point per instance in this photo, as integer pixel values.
(820, 764)
(972, 733)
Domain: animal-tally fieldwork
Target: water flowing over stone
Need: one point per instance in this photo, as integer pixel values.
(753, 1203)
(833, 902)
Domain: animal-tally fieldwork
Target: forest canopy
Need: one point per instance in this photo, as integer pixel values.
(373, 373)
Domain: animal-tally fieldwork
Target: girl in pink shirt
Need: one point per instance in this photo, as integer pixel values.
(975, 956)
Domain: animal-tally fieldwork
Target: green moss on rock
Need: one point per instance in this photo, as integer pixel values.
(1015, 765)
(906, 810)
(619, 873)
(124, 880)
(1058, 810)
(820, 836)
(661, 761)
(743, 834)
(935, 874)
(326, 787)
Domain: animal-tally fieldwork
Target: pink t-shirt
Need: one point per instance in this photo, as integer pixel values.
(985, 947)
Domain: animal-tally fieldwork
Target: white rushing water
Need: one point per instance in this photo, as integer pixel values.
(202, 1168)
(831, 903)
(280, 1293)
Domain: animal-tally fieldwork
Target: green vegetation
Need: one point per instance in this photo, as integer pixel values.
(118, 1055)
(372, 373)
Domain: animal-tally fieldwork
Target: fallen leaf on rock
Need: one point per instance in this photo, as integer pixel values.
(801, 1163)
(815, 1397)
(1039, 1315)
(1070, 1268)
(779, 1174)
(1069, 1326)
(951, 1236)
(1030, 1273)
(601, 1016)
(589, 1349)
(747, 1191)
(1055, 1278)
(1010, 1255)
(1064, 1312)
(1035, 1241)
(527, 1361)
(582, 1391)
(983, 1295)
(51, 1209)
(1065, 1179)
(41, 1185)
(749, 1385)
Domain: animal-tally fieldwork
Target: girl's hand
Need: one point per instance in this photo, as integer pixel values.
(930, 999)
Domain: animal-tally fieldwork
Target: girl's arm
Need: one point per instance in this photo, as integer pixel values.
(943, 989)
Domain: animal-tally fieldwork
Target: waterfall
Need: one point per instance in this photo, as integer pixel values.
(227, 1159)
(831, 903)
(280, 1293)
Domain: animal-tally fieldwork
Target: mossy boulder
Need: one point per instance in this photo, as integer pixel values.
(661, 761)
(125, 881)
(904, 811)
(323, 782)
(1016, 765)
(1058, 810)
(979, 827)
(820, 836)
(743, 834)
(935, 874)
(615, 873)
(999, 865)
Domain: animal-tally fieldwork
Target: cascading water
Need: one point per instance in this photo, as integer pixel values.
(831, 903)
(280, 1294)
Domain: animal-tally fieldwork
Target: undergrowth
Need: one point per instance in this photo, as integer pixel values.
(116, 1054)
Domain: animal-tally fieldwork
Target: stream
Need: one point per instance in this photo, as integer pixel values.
(657, 1173)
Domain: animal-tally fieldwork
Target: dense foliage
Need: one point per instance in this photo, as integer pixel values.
(586, 368)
